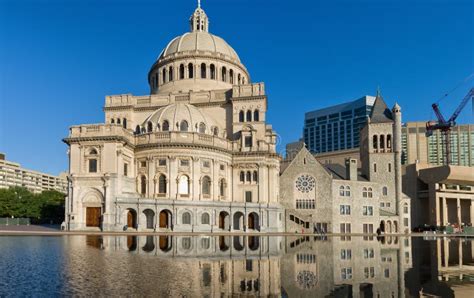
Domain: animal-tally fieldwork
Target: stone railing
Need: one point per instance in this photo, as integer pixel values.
(100, 130)
(255, 89)
(183, 138)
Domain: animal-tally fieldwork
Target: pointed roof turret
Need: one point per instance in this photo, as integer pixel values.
(380, 112)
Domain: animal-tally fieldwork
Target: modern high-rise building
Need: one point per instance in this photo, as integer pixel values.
(12, 174)
(431, 150)
(337, 127)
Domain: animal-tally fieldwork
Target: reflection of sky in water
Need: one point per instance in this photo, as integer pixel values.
(223, 266)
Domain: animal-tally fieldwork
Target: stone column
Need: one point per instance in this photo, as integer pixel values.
(458, 210)
(445, 211)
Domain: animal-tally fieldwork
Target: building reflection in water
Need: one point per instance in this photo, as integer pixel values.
(277, 266)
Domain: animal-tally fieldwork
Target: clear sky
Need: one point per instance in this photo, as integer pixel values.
(59, 59)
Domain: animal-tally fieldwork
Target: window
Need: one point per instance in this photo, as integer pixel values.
(369, 272)
(256, 115)
(389, 167)
(345, 227)
(162, 184)
(203, 71)
(242, 177)
(206, 185)
(375, 167)
(93, 165)
(385, 191)
(255, 176)
(248, 117)
(149, 127)
(186, 218)
(143, 164)
(162, 162)
(166, 126)
(143, 185)
(206, 164)
(205, 219)
(181, 72)
(205, 243)
(382, 142)
(345, 209)
(374, 142)
(186, 243)
(248, 141)
(249, 177)
(386, 273)
(231, 76)
(368, 210)
(222, 167)
(248, 265)
(405, 222)
(190, 71)
(369, 253)
(170, 74)
(137, 129)
(405, 208)
(202, 127)
(112, 121)
(241, 116)
(248, 196)
(238, 78)
(213, 72)
(124, 123)
(387, 205)
(346, 273)
(224, 74)
(164, 75)
(118, 121)
(389, 141)
(183, 186)
(125, 169)
(346, 254)
(222, 187)
(341, 191)
(348, 191)
(215, 131)
(382, 204)
(368, 228)
(183, 126)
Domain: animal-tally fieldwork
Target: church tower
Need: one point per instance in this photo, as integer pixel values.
(381, 153)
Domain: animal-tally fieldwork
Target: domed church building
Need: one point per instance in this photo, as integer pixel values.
(194, 155)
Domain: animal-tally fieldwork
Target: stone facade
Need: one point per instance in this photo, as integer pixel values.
(194, 155)
(350, 198)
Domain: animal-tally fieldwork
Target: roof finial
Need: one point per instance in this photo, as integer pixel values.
(378, 91)
(199, 3)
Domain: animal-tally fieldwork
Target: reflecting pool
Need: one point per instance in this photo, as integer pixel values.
(222, 266)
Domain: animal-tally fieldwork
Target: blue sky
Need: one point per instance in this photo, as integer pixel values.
(59, 59)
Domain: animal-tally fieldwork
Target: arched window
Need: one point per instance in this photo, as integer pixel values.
(256, 115)
(149, 126)
(238, 78)
(215, 131)
(374, 141)
(170, 74)
(143, 185)
(164, 75)
(137, 129)
(369, 192)
(183, 126)
(222, 187)
(341, 191)
(243, 80)
(93, 152)
(249, 116)
(118, 121)
(202, 127)
(112, 121)
(231, 76)
(181, 71)
(382, 141)
(241, 116)
(255, 176)
(348, 191)
(124, 123)
(364, 192)
(166, 125)
(224, 74)
(389, 141)
(162, 184)
(249, 176)
(242, 176)
(203, 70)
(143, 129)
(93, 165)
(206, 185)
(212, 68)
(190, 71)
(186, 218)
(205, 219)
(385, 191)
(183, 185)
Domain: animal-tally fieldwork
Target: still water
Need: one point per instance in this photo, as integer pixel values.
(222, 266)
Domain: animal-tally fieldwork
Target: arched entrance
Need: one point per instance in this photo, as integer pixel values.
(253, 223)
(165, 219)
(388, 227)
(131, 218)
(224, 220)
(238, 221)
(395, 226)
(165, 243)
(382, 226)
(150, 218)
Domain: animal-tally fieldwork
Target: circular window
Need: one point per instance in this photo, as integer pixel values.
(305, 183)
(306, 279)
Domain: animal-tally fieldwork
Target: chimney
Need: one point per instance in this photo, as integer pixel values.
(351, 169)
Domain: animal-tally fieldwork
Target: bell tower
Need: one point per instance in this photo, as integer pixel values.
(199, 20)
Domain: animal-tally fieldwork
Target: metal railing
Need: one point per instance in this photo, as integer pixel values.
(6, 221)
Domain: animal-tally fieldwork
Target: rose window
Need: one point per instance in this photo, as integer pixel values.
(305, 183)
(306, 279)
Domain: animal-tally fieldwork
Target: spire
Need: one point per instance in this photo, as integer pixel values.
(199, 20)
(380, 112)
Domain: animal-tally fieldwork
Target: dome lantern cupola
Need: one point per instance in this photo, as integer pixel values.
(199, 20)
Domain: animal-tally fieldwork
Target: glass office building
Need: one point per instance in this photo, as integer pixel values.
(337, 127)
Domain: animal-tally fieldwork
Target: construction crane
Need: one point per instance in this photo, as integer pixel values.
(444, 125)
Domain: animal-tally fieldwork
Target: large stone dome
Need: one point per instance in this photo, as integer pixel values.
(197, 61)
(175, 117)
(201, 41)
